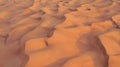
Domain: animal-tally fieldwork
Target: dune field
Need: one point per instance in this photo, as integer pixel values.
(59, 33)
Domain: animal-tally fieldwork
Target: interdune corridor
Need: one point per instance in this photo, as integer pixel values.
(59, 33)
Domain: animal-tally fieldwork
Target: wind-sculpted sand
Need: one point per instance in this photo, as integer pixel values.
(59, 33)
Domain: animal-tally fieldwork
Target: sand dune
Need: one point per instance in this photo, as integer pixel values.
(59, 33)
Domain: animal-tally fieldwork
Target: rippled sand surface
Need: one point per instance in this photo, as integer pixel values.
(59, 33)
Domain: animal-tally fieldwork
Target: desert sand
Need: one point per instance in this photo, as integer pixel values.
(59, 33)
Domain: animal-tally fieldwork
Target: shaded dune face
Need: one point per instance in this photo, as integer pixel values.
(59, 33)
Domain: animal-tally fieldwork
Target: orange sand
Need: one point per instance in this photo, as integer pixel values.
(59, 33)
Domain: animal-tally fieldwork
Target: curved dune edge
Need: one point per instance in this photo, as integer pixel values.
(59, 33)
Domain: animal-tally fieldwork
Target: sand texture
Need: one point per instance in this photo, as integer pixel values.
(59, 33)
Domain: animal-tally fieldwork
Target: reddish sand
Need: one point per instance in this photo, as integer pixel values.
(59, 33)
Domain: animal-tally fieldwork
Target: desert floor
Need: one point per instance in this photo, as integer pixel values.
(59, 33)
